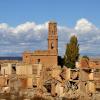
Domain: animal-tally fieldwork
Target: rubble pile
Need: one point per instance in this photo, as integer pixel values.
(53, 83)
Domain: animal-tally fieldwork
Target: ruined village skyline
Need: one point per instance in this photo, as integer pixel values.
(41, 75)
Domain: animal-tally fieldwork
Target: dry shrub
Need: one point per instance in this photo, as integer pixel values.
(38, 98)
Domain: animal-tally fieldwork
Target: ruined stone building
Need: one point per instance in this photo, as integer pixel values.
(47, 57)
(39, 74)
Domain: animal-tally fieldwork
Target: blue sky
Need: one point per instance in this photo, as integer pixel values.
(64, 12)
(23, 24)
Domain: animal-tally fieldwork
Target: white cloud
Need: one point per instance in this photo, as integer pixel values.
(31, 36)
(3, 26)
(24, 27)
(84, 26)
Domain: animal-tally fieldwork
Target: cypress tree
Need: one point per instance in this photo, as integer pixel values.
(71, 53)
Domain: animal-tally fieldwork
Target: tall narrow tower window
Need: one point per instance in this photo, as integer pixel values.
(52, 45)
(52, 32)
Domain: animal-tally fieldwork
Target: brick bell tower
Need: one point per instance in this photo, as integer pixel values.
(52, 37)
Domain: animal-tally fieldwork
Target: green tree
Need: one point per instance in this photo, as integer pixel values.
(71, 53)
(86, 57)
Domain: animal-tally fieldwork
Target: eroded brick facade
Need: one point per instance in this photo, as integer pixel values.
(46, 57)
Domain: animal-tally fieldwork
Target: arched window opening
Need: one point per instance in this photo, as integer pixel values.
(38, 61)
(52, 45)
(52, 32)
